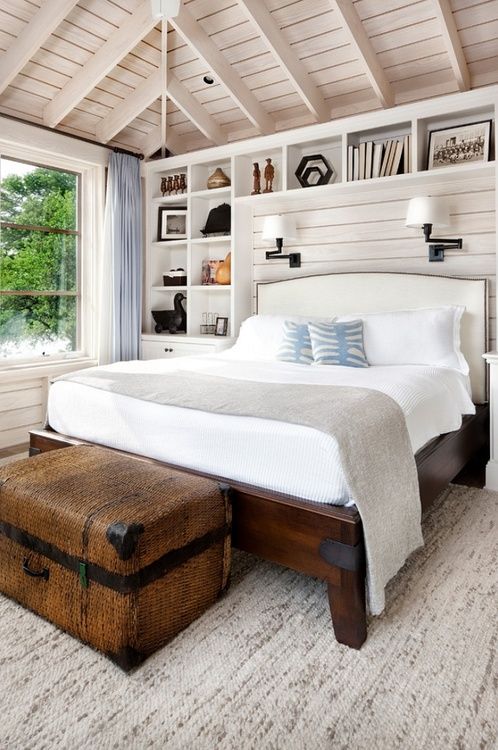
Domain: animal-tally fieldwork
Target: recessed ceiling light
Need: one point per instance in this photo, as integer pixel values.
(208, 79)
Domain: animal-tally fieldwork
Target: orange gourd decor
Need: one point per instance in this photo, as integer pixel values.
(223, 274)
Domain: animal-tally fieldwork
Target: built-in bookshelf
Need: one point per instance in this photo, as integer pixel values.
(389, 147)
(384, 157)
(202, 301)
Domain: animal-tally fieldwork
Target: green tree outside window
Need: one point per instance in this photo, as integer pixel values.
(39, 243)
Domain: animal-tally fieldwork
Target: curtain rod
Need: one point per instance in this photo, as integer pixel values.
(70, 135)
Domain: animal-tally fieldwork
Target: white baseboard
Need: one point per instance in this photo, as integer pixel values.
(492, 475)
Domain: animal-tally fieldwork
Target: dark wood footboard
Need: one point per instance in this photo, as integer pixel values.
(322, 540)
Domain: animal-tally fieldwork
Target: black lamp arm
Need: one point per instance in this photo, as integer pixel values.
(450, 244)
(293, 258)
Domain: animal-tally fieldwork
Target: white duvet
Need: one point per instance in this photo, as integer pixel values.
(286, 458)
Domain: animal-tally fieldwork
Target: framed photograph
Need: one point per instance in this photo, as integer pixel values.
(172, 224)
(460, 144)
(221, 327)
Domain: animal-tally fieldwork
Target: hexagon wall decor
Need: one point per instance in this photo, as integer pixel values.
(314, 170)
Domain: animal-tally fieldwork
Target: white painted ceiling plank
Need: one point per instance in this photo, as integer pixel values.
(155, 140)
(269, 30)
(203, 46)
(143, 96)
(119, 44)
(360, 42)
(453, 44)
(31, 38)
(194, 110)
(130, 108)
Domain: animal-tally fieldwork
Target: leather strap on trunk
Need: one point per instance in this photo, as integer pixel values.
(123, 584)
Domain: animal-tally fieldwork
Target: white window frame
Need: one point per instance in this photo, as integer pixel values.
(91, 200)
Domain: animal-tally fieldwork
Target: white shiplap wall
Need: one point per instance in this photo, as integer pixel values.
(367, 233)
(22, 408)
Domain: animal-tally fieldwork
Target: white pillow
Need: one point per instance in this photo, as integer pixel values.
(426, 336)
(261, 335)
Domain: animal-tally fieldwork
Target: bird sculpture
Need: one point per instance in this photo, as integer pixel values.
(173, 321)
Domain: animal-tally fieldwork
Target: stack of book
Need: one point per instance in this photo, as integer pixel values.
(380, 159)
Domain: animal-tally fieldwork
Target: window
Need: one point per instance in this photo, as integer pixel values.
(40, 296)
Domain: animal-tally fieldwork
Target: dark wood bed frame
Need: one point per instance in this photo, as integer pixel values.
(325, 541)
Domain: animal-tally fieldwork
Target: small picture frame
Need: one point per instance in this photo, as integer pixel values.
(460, 144)
(221, 328)
(172, 224)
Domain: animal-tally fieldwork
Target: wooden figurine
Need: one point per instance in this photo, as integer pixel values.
(183, 182)
(269, 176)
(164, 186)
(170, 184)
(256, 179)
(176, 183)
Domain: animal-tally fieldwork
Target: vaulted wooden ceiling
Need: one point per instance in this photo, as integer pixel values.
(93, 67)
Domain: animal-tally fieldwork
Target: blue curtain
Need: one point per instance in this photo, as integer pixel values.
(123, 235)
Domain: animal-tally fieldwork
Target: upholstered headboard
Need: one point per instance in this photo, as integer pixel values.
(343, 293)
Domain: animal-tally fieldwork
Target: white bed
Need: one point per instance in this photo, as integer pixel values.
(315, 538)
(286, 458)
(289, 458)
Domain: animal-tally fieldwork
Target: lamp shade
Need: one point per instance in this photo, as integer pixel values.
(165, 8)
(427, 210)
(279, 227)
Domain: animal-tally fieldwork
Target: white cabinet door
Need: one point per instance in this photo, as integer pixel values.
(169, 348)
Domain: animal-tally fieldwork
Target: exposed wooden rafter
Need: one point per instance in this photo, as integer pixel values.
(453, 43)
(156, 138)
(281, 50)
(130, 108)
(31, 38)
(146, 93)
(122, 41)
(205, 49)
(358, 38)
(189, 105)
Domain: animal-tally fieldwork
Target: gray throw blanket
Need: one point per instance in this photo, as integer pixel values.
(369, 428)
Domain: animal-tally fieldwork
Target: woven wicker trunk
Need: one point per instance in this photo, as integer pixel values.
(120, 553)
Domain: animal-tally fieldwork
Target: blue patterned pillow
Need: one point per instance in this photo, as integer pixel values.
(338, 343)
(296, 344)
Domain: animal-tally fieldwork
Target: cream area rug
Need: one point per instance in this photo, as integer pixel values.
(261, 669)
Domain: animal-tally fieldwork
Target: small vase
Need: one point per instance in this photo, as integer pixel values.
(224, 271)
(218, 179)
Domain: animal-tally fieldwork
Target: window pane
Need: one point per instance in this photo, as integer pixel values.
(31, 326)
(37, 195)
(37, 261)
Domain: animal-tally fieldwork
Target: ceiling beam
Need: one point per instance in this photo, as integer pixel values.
(270, 32)
(453, 44)
(206, 50)
(155, 139)
(194, 110)
(357, 37)
(117, 46)
(130, 108)
(146, 93)
(31, 38)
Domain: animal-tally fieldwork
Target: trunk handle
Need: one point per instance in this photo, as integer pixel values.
(44, 573)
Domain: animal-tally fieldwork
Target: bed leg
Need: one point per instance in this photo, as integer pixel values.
(348, 609)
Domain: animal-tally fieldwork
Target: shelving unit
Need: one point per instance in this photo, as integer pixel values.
(230, 300)
(286, 149)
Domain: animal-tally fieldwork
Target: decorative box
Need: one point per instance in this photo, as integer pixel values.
(175, 278)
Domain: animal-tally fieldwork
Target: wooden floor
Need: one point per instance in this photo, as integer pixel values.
(14, 450)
